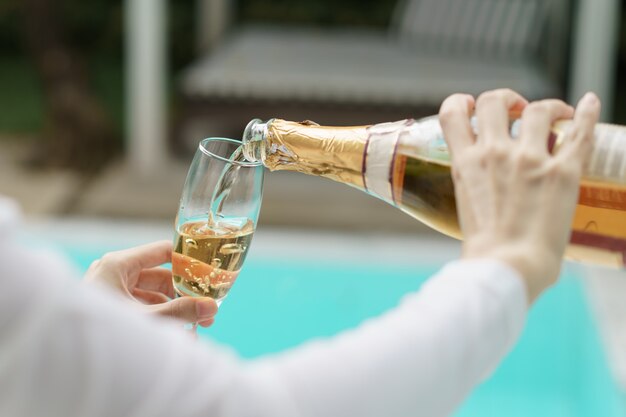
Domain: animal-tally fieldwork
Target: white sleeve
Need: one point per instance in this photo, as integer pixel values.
(69, 350)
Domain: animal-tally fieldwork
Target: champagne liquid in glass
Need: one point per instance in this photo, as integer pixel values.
(207, 259)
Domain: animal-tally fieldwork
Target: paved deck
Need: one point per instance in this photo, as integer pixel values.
(42, 193)
(290, 200)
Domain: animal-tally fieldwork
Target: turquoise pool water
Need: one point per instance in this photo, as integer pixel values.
(558, 368)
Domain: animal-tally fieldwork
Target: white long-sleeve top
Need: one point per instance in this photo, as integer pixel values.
(67, 349)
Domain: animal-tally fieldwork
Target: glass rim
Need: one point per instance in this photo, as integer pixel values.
(204, 150)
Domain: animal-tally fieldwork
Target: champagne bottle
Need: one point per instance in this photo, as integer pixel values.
(407, 164)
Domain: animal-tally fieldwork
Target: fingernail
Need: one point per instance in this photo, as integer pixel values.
(590, 98)
(206, 308)
(207, 322)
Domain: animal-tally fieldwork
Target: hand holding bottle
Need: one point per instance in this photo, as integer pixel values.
(515, 200)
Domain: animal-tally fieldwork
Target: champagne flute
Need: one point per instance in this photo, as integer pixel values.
(216, 219)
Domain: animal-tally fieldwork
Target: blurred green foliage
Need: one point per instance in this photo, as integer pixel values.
(619, 111)
(21, 106)
(9, 27)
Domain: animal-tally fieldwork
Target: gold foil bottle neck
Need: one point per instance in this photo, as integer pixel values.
(333, 152)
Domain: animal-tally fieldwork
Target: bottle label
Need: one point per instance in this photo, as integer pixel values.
(397, 178)
(604, 250)
(608, 160)
(602, 196)
(379, 158)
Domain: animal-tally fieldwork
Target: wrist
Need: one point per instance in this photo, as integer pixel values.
(538, 268)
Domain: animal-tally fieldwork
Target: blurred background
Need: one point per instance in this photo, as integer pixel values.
(103, 103)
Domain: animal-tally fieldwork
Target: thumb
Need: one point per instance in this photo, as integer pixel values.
(189, 309)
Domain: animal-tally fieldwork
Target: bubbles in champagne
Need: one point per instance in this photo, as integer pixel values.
(209, 266)
(232, 248)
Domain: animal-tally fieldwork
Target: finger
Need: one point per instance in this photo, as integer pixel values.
(471, 215)
(206, 323)
(150, 297)
(142, 257)
(454, 117)
(188, 309)
(493, 109)
(537, 120)
(183, 265)
(100, 271)
(465, 215)
(156, 279)
(579, 138)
